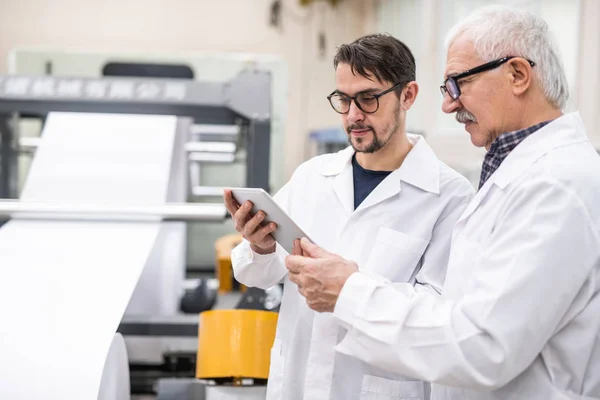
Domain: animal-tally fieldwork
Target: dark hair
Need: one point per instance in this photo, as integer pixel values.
(379, 55)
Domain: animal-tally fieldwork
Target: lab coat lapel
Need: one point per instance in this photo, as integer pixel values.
(477, 199)
(343, 186)
(339, 169)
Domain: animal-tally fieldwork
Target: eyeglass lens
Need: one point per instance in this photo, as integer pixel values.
(452, 88)
(366, 103)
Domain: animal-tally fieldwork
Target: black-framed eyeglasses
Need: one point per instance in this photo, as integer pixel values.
(451, 87)
(366, 102)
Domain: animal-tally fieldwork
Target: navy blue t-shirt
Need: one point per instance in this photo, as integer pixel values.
(365, 181)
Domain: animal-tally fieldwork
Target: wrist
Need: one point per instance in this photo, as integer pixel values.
(260, 250)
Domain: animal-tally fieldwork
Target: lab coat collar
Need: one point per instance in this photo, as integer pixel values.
(420, 168)
(340, 161)
(566, 129)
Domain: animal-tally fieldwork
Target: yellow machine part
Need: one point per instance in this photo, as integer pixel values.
(235, 343)
(223, 247)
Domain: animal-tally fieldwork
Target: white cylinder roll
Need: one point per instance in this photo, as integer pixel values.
(114, 384)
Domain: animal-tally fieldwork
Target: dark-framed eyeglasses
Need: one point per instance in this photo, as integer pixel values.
(366, 102)
(451, 86)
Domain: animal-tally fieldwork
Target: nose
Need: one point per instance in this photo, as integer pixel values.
(449, 105)
(354, 113)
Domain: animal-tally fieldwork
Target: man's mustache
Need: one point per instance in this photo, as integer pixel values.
(463, 116)
(358, 127)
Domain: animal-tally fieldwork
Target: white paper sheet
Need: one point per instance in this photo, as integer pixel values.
(65, 285)
(102, 158)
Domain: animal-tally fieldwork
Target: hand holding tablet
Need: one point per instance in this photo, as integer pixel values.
(265, 223)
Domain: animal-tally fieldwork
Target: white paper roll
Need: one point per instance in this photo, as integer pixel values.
(115, 376)
(64, 285)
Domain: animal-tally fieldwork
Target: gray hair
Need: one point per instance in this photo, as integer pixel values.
(499, 31)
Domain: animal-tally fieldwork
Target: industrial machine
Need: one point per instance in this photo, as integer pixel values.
(210, 171)
(217, 120)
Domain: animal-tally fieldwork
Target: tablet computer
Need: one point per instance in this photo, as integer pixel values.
(287, 230)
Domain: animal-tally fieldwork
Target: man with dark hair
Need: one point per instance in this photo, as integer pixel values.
(385, 201)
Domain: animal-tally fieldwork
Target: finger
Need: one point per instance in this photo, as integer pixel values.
(295, 278)
(316, 305)
(263, 235)
(230, 203)
(312, 250)
(296, 249)
(253, 224)
(303, 292)
(242, 215)
(295, 264)
(267, 229)
(313, 304)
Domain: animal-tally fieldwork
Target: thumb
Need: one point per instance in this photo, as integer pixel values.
(312, 250)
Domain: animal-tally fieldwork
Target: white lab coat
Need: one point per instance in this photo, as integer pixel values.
(519, 316)
(401, 231)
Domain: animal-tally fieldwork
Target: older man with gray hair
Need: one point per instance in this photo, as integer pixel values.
(519, 316)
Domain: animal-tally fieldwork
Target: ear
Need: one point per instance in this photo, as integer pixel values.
(409, 95)
(521, 75)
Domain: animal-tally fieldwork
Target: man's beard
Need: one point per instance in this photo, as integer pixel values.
(377, 143)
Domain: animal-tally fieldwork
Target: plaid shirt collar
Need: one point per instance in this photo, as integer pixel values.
(501, 148)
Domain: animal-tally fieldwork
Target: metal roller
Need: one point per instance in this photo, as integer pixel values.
(183, 212)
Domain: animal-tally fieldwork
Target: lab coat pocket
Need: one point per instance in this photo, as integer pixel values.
(275, 381)
(376, 388)
(395, 254)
